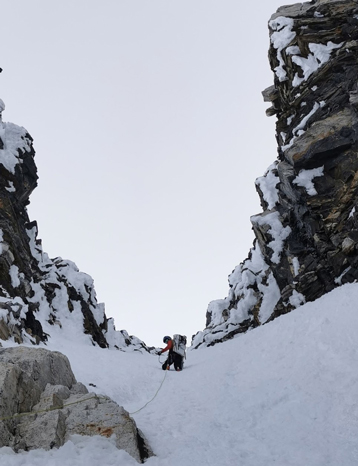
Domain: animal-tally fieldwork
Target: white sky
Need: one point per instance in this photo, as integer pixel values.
(150, 130)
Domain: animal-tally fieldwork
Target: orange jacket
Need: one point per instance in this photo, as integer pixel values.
(168, 347)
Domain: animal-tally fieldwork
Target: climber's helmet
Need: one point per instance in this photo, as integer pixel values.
(166, 339)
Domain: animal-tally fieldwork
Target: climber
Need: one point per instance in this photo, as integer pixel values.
(173, 357)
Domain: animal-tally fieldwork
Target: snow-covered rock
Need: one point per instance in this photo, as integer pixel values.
(307, 234)
(39, 295)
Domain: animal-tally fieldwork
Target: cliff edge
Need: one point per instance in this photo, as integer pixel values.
(39, 295)
(306, 238)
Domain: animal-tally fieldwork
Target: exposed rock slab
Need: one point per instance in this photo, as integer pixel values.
(42, 405)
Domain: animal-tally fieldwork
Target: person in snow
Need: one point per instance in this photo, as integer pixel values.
(173, 357)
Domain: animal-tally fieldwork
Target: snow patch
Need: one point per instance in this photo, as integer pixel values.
(299, 129)
(286, 390)
(296, 266)
(338, 280)
(296, 299)
(277, 232)
(36, 251)
(16, 141)
(280, 39)
(271, 295)
(14, 275)
(293, 50)
(320, 55)
(305, 177)
(267, 185)
(11, 187)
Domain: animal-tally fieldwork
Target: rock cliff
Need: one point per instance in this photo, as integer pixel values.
(307, 235)
(39, 294)
(42, 405)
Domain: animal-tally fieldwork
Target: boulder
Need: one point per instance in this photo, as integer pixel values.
(42, 405)
(40, 365)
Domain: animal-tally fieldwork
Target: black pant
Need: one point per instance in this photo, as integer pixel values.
(175, 358)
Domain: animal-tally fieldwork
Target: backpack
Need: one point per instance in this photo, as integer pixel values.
(179, 345)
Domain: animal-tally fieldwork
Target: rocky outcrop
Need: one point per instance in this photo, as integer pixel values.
(42, 405)
(307, 235)
(39, 294)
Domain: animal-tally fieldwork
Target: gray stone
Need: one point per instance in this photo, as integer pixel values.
(4, 330)
(292, 11)
(348, 246)
(18, 391)
(92, 415)
(42, 405)
(270, 94)
(52, 397)
(78, 389)
(44, 430)
(43, 366)
(323, 136)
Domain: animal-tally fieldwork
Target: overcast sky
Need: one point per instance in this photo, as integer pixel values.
(150, 130)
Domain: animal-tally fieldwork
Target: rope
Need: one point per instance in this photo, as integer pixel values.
(161, 362)
(54, 408)
(156, 393)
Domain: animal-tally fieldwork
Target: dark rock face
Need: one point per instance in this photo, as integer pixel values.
(30, 281)
(307, 235)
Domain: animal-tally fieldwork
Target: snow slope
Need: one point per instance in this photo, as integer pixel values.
(283, 394)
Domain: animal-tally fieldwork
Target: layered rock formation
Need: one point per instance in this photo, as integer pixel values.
(42, 405)
(39, 294)
(307, 235)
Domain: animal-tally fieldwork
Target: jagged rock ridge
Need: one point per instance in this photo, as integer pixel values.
(39, 295)
(307, 235)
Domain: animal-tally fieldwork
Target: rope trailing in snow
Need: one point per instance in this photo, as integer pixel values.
(156, 393)
(54, 408)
